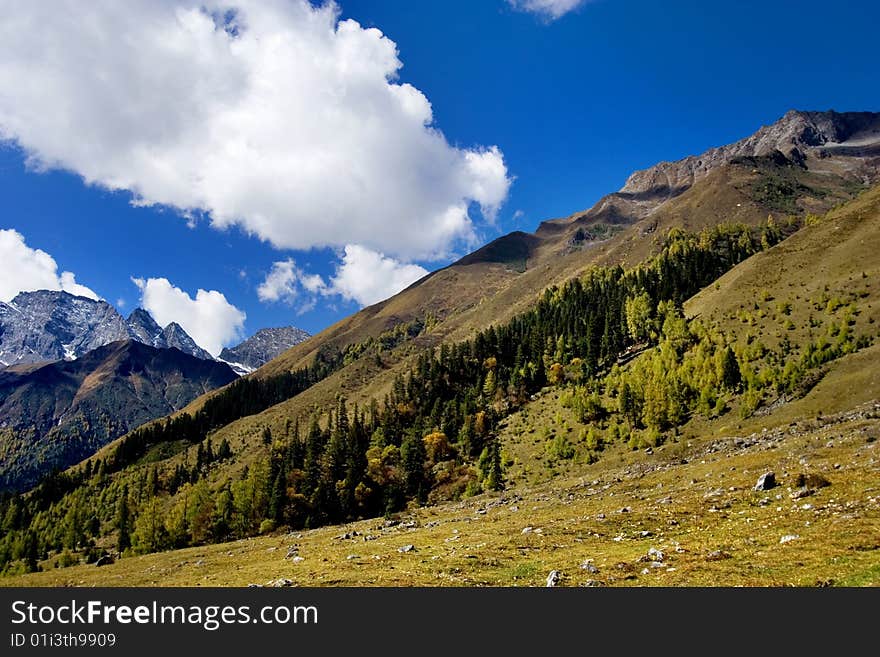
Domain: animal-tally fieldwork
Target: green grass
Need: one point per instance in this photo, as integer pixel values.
(479, 541)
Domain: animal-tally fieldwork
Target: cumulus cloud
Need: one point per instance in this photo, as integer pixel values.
(280, 282)
(361, 275)
(272, 115)
(548, 9)
(367, 277)
(209, 319)
(23, 269)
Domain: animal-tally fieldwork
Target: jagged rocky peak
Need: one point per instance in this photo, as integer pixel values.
(143, 327)
(262, 347)
(48, 325)
(798, 135)
(174, 336)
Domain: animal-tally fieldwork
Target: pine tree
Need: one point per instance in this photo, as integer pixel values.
(123, 522)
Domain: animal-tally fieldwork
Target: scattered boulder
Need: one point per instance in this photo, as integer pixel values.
(527, 530)
(346, 536)
(352, 557)
(104, 560)
(766, 481)
(297, 559)
(717, 555)
(788, 538)
(589, 566)
(594, 583)
(281, 582)
(406, 548)
(803, 491)
(553, 578)
(292, 552)
(656, 555)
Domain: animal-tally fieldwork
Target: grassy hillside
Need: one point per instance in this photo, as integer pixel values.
(692, 500)
(801, 292)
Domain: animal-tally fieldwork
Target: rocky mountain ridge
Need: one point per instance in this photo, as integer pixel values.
(47, 325)
(262, 347)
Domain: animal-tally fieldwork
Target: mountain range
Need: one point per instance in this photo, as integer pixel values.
(53, 415)
(45, 326)
(532, 355)
(261, 347)
(75, 374)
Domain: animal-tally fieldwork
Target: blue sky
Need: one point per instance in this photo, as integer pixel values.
(540, 116)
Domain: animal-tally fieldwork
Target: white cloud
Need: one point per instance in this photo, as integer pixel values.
(283, 283)
(367, 277)
(281, 119)
(548, 9)
(209, 319)
(23, 269)
(280, 283)
(362, 275)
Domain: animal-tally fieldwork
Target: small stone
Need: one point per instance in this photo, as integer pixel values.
(297, 559)
(766, 481)
(553, 578)
(625, 509)
(352, 557)
(594, 583)
(788, 538)
(803, 491)
(717, 555)
(655, 554)
(292, 551)
(589, 567)
(646, 571)
(527, 530)
(406, 548)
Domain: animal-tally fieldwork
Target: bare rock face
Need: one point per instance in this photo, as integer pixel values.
(797, 136)
(48, 325)
(262, 347)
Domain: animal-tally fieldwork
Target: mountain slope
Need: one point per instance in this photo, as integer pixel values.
(837, 156)
(261, 347)
(682, 513)
(369, 354)
(46, 325)
(52, 416)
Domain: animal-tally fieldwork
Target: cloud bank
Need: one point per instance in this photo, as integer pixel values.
(209, 319)
(23, 269)
(271, 115)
